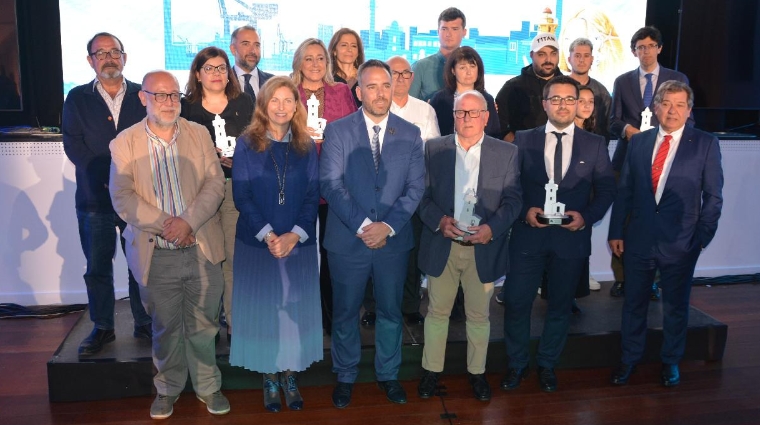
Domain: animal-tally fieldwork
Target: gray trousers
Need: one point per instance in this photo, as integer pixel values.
(182, 297)
(229, 215)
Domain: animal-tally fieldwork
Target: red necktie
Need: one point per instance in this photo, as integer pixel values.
(659, 162)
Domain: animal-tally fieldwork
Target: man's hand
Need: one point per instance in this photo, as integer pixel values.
(630, 131)
(374, 234)
(448, 228)
(577, 223)
(314, 135)
(509, 137)
(480, 234)
(280, 246)
(176, 230)
(616, 246)
(531, 217)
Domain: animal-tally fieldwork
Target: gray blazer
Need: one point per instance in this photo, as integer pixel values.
(499, 203)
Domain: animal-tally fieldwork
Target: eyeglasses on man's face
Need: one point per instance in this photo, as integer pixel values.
(473, 113)
(163, 97)
(405, 74)
(102, 54)
(645, 47)
(556, 100)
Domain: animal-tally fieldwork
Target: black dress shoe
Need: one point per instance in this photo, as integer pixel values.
(144, 332)
(514, 377)
(428, 384)
(547, 379)
(655, 292)
(95, 341)
(341, 395)
(575, 309)
(394, 392)
(369, 318)
(670, 376)
(621, 375)
(618, 289)
(414, 318)
(480, 387)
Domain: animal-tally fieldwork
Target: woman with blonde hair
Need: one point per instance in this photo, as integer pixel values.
(278, 329)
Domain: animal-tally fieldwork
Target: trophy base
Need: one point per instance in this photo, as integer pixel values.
(554, 220)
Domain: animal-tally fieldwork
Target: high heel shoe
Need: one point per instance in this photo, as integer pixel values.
(289, 384)
(271, 389)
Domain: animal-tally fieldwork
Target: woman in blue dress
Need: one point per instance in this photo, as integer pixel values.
(278, 320)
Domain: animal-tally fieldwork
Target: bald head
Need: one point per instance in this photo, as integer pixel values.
(158, 75)
(402, 77)
(160, 94)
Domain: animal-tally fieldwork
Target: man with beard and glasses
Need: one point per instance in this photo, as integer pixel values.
(246, 48)
(93, 114)
(167, 184)
(372, 175)
(519, 101)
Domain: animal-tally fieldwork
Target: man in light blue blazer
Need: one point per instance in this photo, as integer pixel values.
(372, 172)
(671, 187)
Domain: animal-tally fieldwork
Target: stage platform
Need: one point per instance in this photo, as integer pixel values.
(124, 368)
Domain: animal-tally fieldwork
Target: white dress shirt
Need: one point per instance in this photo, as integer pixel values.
(643, 80)
(420, 114)
(551, 145)
(674, 142)
(254, 79)
(466, 173)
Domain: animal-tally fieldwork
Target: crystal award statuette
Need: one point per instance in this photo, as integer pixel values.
(467, 217)
(221, 139)
(554, 212)
(646, 119)
(312, 118)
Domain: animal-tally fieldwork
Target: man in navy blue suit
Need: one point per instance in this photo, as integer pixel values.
(631, 94)
(372, 172)
(671, 186)
(579, 163)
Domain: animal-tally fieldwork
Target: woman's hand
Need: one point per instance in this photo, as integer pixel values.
(280, 246)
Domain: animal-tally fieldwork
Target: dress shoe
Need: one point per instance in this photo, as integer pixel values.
(670, 376)
(480, 387)
(575, 309)
(500, 297)
(514, 377)
(621, 375)
(95, 341)
(428, 384)
(144, 332)
(414, 318)
(655, 292)
(369, 318)
(289, 384)
(341, 396)
(271, 389)
(394, 392)
(547, 379)
(618, 289)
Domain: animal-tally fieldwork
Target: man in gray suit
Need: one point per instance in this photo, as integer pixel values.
(468, 175)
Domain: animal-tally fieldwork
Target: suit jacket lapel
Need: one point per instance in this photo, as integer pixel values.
(362, 139)
(648, 153)
(636, 89)
(539, 144)
(684, 150)
(570, 175)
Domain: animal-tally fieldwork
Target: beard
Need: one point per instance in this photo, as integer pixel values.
(377, 110)
(539, 69)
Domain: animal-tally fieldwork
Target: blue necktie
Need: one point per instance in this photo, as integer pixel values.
(648, 90)
(248, 88)
(375, 146)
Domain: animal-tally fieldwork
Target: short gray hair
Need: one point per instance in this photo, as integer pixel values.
(674, 86)
(581, 42)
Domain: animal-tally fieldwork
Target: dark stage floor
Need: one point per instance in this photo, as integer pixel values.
(124, 367)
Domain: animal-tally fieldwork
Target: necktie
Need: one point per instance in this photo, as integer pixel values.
(248, 88)
(648, 90)
(558, 158)
(375, 146)
(659, 161)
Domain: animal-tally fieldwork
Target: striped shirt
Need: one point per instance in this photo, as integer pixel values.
(164, 162)
(114, 105)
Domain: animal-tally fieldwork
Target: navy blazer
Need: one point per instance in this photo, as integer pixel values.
(88, 129)
(590, 171)
(627, 104)
(354, 191)
(687, 216)
(499, 203)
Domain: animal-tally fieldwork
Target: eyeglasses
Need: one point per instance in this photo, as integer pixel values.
(101, 54)
(208, 69)
(406, 74)
(556, 100)
(162, 97)
(645, 47)
(474, 113)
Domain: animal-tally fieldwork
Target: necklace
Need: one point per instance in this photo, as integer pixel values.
(281, 180)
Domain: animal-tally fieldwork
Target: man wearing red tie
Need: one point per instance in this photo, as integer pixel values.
(670, 185)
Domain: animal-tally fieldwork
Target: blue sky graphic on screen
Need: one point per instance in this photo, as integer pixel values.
(168, 33)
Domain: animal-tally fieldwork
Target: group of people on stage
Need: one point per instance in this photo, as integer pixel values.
(217, 193)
